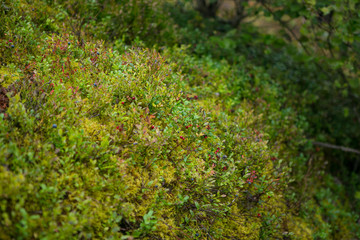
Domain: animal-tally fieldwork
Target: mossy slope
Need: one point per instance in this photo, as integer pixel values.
(112, 142)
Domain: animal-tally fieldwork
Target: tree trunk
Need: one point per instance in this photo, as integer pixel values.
(208, 10)
(239, 13)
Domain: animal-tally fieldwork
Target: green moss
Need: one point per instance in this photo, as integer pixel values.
(8, 77)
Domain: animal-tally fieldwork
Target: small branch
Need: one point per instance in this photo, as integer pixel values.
(328, 145)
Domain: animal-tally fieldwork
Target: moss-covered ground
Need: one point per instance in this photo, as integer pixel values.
(102, 140)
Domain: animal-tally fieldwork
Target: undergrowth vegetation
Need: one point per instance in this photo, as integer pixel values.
(106, 135)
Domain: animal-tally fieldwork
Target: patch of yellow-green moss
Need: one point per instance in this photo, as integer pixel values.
(7, 77)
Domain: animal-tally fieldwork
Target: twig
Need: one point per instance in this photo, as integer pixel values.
(328, 145)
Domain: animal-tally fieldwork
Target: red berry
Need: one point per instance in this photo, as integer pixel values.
(196, 97)
(133, 98)
(152, 127)
(259, 215)
(122, 103)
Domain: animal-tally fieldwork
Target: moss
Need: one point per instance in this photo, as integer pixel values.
(94, 129)
(8, 77)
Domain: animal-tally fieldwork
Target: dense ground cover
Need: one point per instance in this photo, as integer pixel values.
(110, 128)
